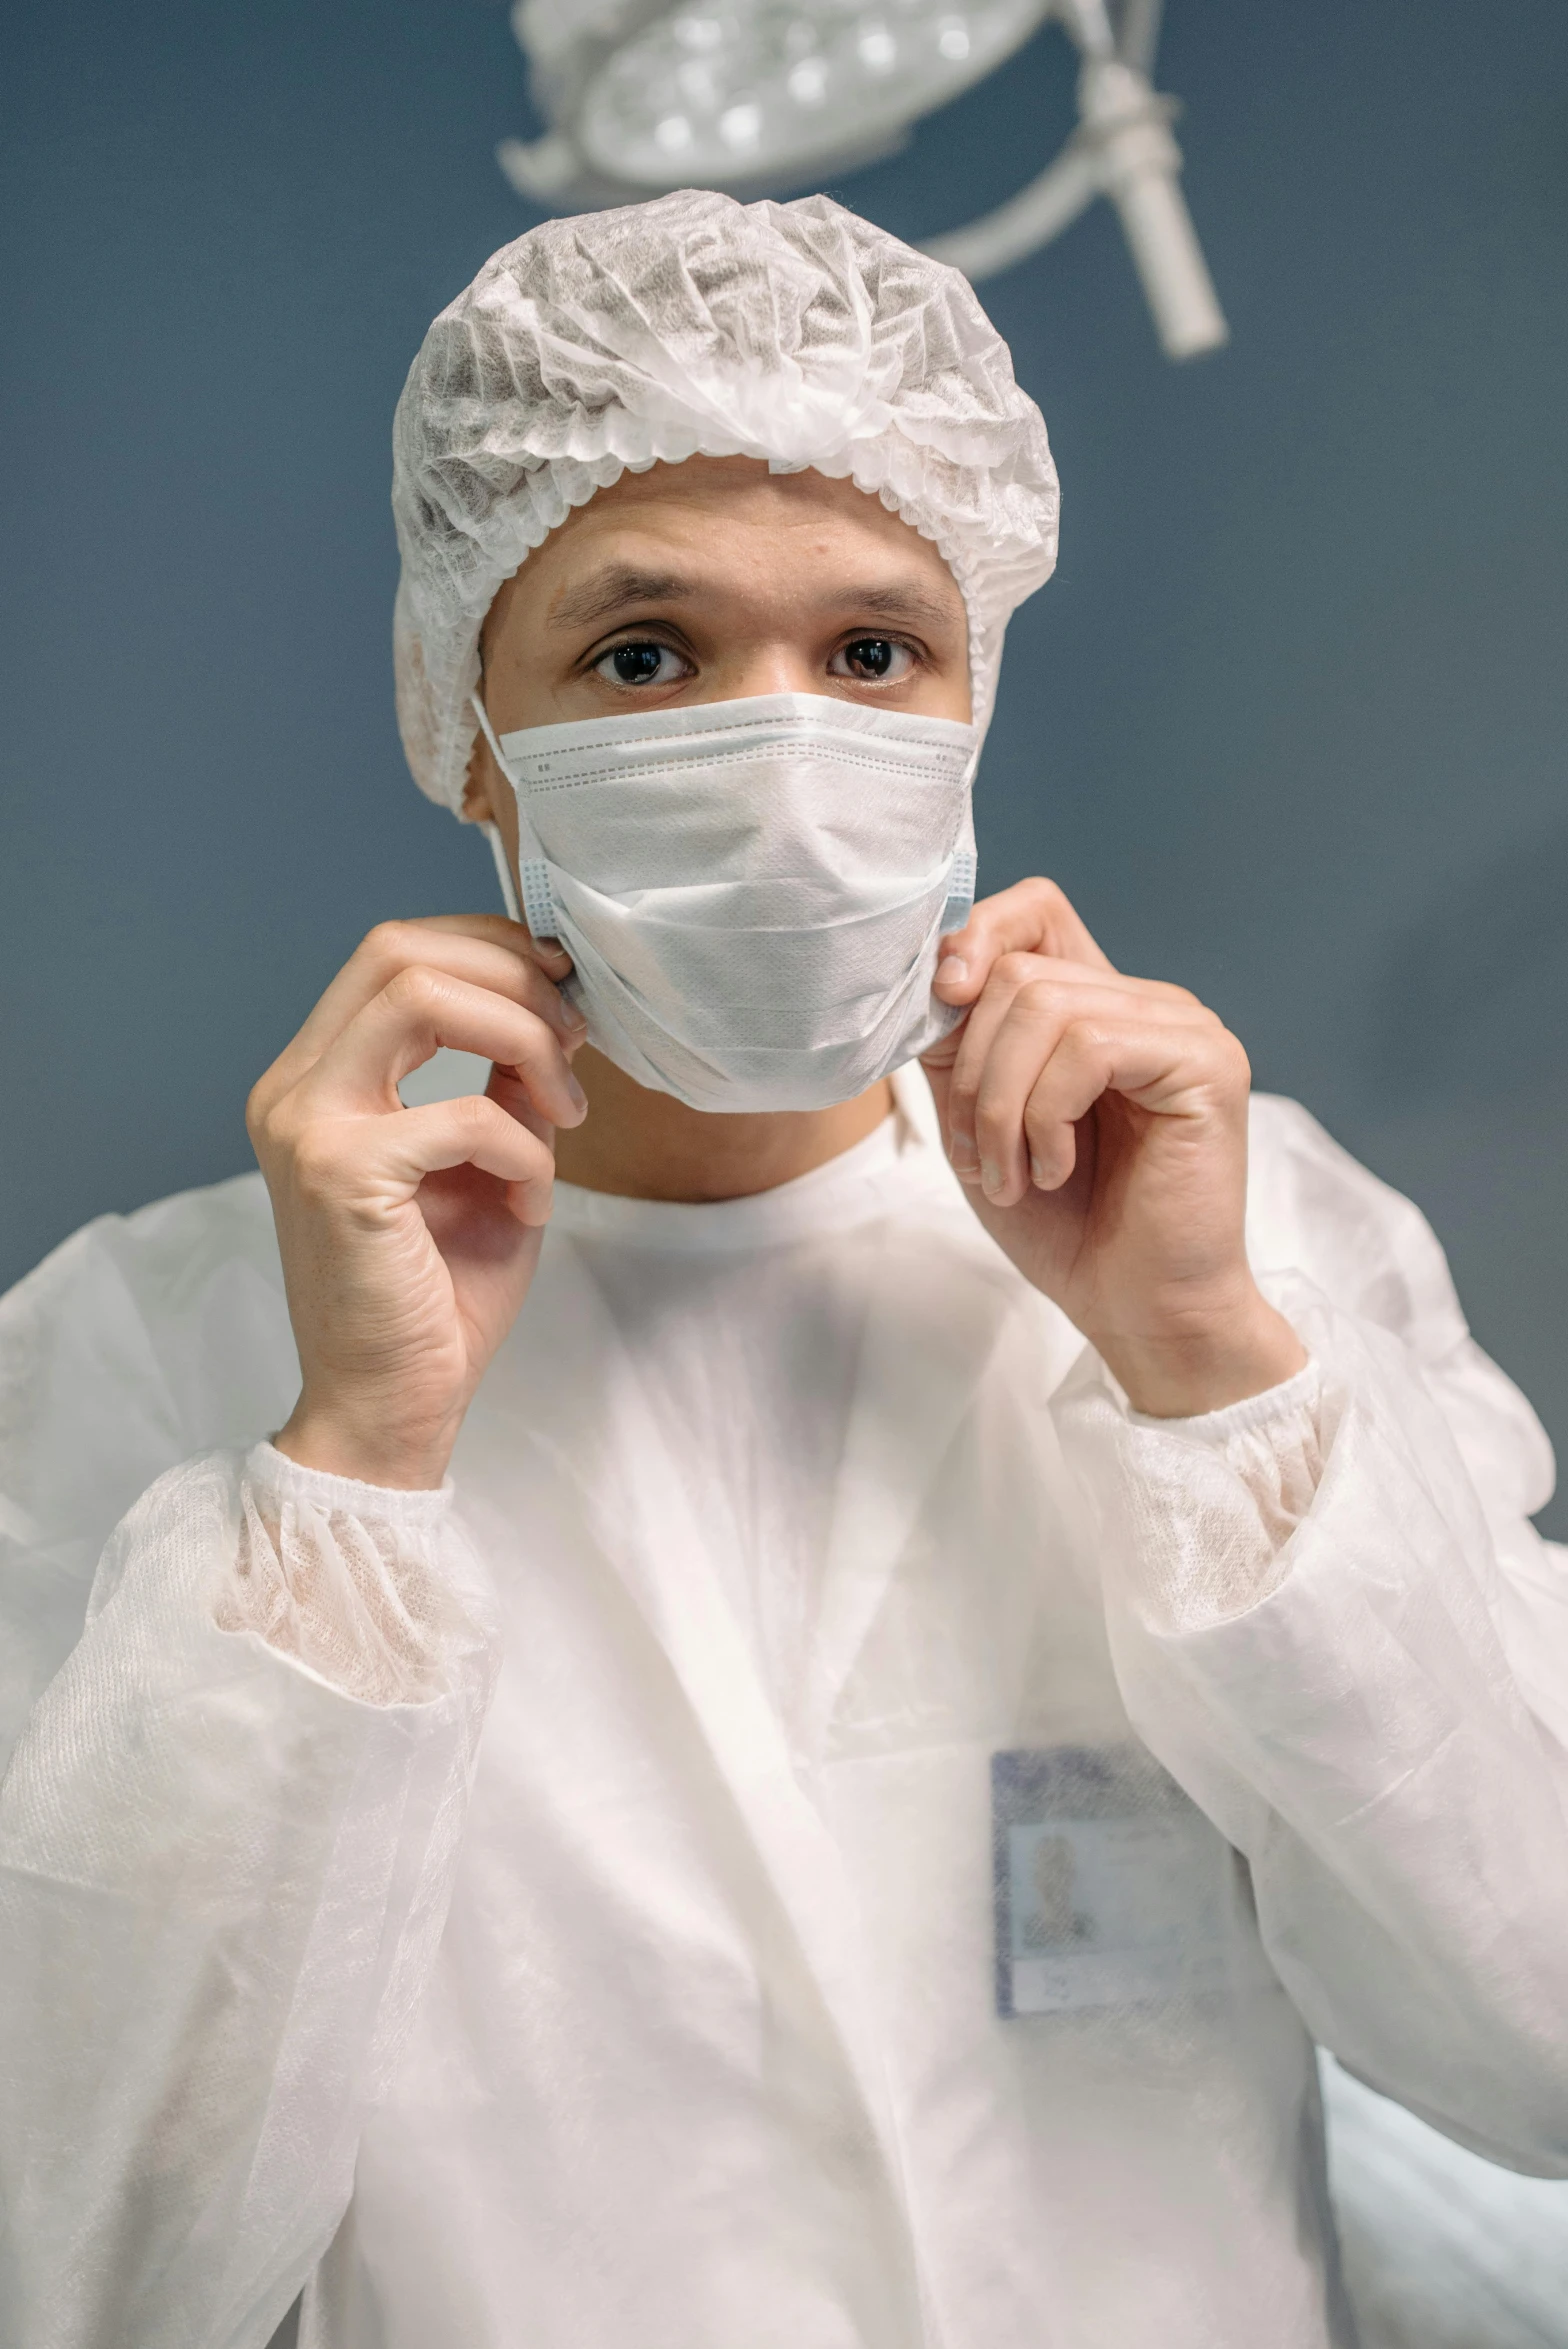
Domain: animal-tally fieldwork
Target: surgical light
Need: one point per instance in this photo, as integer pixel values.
(762, 96)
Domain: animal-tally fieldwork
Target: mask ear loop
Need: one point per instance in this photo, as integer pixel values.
(538, 907)
(503, 871)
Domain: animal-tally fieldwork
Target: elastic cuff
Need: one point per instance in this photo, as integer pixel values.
(1302, 1391)
(288, 1480)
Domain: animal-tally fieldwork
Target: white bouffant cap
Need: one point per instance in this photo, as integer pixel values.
(697, 325)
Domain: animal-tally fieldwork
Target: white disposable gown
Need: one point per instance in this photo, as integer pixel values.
(923, 1817)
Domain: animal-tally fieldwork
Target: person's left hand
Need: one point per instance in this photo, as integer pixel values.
(1099, 1126)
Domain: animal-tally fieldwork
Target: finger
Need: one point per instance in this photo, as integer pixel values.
(485, 949)
(416, 1013)
(965, 1054)
(1168, 1070)
(506, 1088)
(1029, 1003)
(1037, 1022)
(473, 1131)
(1033, 917)
(1013, 972)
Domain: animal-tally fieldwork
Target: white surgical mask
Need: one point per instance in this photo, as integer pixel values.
(751, 891)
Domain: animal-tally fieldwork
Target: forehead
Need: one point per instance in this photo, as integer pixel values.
(732, 508)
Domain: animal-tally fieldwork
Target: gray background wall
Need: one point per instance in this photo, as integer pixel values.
(1289, 723)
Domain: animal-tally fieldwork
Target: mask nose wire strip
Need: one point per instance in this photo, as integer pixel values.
(539, 910)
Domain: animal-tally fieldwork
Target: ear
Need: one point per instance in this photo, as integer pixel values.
(479, 803)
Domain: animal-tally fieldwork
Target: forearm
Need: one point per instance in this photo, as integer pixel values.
(359, 1441)
(1330, 1686)
(223, 1864)
(1202, 1355)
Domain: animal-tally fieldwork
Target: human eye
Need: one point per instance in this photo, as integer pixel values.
(641, 661)
(873, 660)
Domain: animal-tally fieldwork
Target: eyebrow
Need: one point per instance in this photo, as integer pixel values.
(905, 603)
(614, 590)
(621, 588)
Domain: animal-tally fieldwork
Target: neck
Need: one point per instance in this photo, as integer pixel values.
(642, 1145)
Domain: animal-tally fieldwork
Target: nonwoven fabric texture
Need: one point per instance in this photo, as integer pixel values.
(796, 333)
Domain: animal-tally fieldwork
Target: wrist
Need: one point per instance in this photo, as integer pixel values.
(359, 1444)
(1203, 1361)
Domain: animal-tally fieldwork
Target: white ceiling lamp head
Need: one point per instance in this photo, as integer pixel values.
(743, 94)
(766, 96)
(783, 93)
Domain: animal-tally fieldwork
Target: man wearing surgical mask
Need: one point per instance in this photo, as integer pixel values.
(758, 1690)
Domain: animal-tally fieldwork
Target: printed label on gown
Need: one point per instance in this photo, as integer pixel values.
(1111, 1887)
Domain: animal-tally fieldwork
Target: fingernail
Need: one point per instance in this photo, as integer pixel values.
(575, 1091)
(571, 1017)
(961, 1153)
(1038, 1175)
(952, 970)
(990, 1179)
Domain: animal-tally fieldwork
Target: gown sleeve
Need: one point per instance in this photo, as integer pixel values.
(1333, 1622)
(231, 1812)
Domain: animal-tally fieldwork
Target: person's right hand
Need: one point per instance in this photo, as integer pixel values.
(409, 1236)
